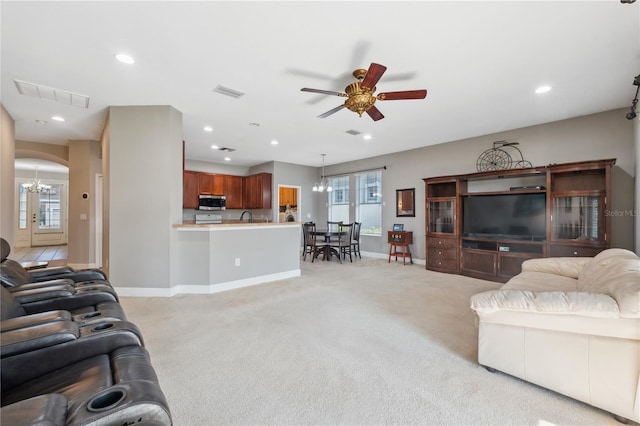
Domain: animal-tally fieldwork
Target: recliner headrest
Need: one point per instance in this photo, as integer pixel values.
(5, 249)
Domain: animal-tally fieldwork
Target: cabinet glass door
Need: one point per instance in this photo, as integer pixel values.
(578, 218)
(441, 216)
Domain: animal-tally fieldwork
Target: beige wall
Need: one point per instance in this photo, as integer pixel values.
(44, 151)
(85, 163)
(7, 176)
(144, 171)
(598, 136)
(106, 171)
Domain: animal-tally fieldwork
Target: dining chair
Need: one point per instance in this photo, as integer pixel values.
(312, 246)
(306, 249)
(332, 227)
(342, 244)
(355, 239)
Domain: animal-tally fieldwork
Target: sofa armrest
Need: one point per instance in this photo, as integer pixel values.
(49, 271)
(565, 266)
(548, 302)
(34, 319)
(41, 284)
(49, 409)
(44, 293)
(28, 339)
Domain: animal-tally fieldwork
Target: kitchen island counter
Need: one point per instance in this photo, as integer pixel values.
(217, 257)
(230, 223)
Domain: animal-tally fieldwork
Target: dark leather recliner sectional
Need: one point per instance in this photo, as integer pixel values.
(68, 356)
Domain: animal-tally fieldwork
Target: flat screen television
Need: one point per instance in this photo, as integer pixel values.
(507, 216)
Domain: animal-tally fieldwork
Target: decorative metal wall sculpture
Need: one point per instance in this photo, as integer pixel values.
(497, 158)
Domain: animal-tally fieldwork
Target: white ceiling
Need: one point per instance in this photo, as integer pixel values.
(480, 62)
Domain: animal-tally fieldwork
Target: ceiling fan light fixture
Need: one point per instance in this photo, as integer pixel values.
(360, 94)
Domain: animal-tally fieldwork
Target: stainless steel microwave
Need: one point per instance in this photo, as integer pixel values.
(212, 202)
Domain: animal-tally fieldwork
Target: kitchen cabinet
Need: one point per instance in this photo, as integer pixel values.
(288, 196)
(241, 192)
(190, 182)
(233, 191)
(257, 191)
(209, 183)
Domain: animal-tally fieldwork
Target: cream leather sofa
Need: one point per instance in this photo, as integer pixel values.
(571, 325)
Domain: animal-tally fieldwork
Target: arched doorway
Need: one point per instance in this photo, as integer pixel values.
(41, 215)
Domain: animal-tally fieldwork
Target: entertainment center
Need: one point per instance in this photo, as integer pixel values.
(486, 224)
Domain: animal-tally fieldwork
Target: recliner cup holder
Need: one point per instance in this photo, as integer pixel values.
(91, 315)
(102, 327)
(106, 400)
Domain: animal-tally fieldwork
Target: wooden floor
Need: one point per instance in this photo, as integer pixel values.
(55, 255)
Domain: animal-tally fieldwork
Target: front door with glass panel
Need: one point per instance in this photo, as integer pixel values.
(41, 216)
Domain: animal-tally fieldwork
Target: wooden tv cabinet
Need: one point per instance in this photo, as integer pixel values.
(577, 196)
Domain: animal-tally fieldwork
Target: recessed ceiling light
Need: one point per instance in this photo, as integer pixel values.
(366, 137)
(57, 118)
(274, 142)
(227, 159)
(124, 58)
(542, 89)
(208, 129)
(214, 146)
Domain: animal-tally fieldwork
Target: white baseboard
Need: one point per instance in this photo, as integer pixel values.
(203, 289)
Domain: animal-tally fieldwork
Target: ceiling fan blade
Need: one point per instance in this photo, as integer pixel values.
(325, 92)
(331, 111)
(374, 73)
(375, 113)
(407, 94)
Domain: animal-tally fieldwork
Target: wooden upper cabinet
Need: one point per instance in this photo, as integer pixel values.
(257, 191)
(211, 183)
(248, 192)
(288, 196)
(190, 190)
(233, 191)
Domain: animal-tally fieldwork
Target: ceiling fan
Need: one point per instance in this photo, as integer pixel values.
(361, 96)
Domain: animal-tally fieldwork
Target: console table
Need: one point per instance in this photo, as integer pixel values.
(399, 242)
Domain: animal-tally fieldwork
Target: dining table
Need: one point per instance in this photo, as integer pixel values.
(327, 250)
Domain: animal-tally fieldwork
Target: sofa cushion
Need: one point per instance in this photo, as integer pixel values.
(552, 302)
(592, 275)
(569, 267)
(540, 281)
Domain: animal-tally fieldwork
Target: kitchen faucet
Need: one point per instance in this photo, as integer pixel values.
(250, 215)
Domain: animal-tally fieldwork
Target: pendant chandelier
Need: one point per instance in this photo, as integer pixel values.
(324, 185)
(36, 185)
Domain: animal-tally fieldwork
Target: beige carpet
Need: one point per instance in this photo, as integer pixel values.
(366, 343)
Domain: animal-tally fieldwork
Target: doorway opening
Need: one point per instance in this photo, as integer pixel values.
(41, 216)
(289, 203)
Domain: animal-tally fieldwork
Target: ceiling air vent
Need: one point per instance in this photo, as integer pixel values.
(228, 91)
(224, 148)
(353, 132)
(52, 94)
